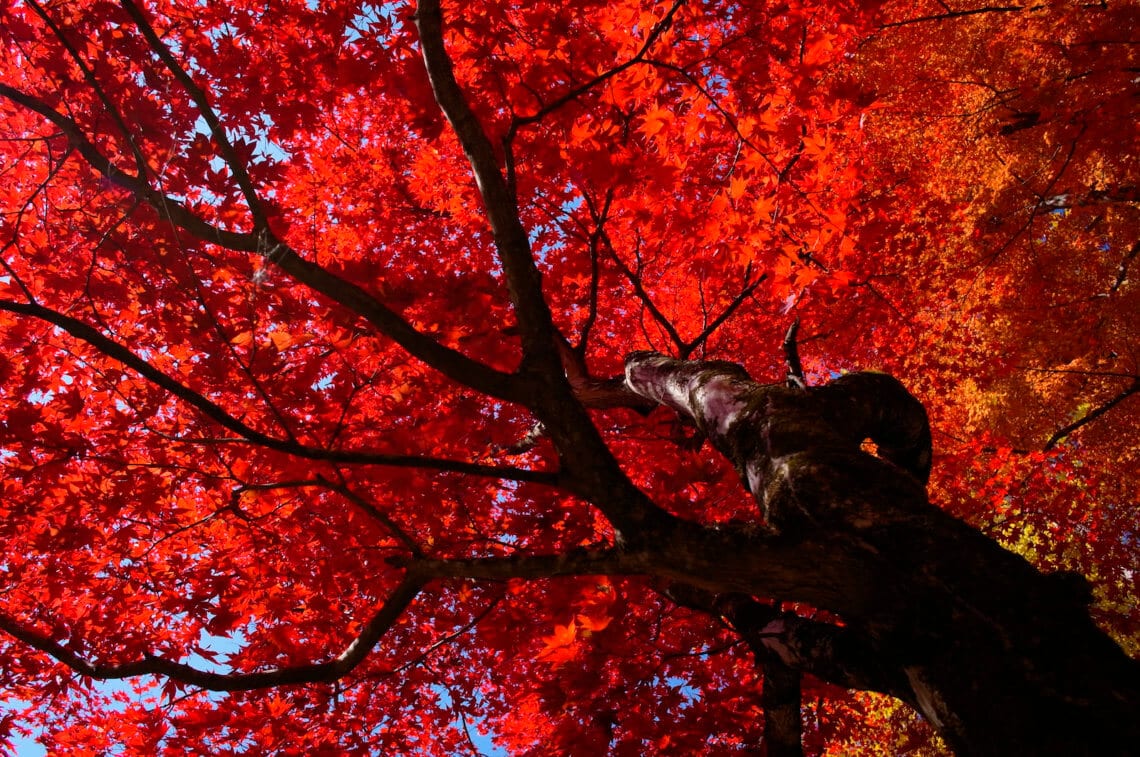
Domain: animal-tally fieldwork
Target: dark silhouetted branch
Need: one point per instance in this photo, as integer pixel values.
(228, 154)
(453, 364)
(959, 14)
(148, 664)
(216, 413)
(795, 370)
(1092, 415)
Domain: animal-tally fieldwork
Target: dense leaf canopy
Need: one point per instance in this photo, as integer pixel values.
(286, 287)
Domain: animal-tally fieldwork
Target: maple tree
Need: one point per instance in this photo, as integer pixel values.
(333, 339)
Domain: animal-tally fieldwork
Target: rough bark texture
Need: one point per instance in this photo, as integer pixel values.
(999, 658)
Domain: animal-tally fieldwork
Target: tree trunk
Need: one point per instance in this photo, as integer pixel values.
(999, 658)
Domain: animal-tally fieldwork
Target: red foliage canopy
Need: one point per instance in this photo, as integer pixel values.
(266, 342)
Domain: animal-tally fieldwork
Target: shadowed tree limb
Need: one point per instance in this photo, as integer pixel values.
(219, 415)
(228, 154)
(588, 468)
(937, 597)
(1092, 415)
(792, 358)
(148, 664)
(418, 573)
(524, 283)
(453, 364)
(780, 699)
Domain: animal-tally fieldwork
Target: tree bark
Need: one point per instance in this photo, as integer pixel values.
(999, 658)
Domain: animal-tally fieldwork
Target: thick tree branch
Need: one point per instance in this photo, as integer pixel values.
(839, 655)
(595, 392)
(780, 699)
(934, 594)
(523, 280)
(588, 468)
(878, 407)
(453, 364)
(704, 563)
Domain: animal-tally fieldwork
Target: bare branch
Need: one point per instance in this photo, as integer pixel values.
(89, 77)
(651, 39)
(731, 120)
(55, 168)
(593, 240)
(634, 278)
(684, 349)
(342, 489)
(166, 207)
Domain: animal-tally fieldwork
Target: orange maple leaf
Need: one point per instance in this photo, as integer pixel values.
(560, 645)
